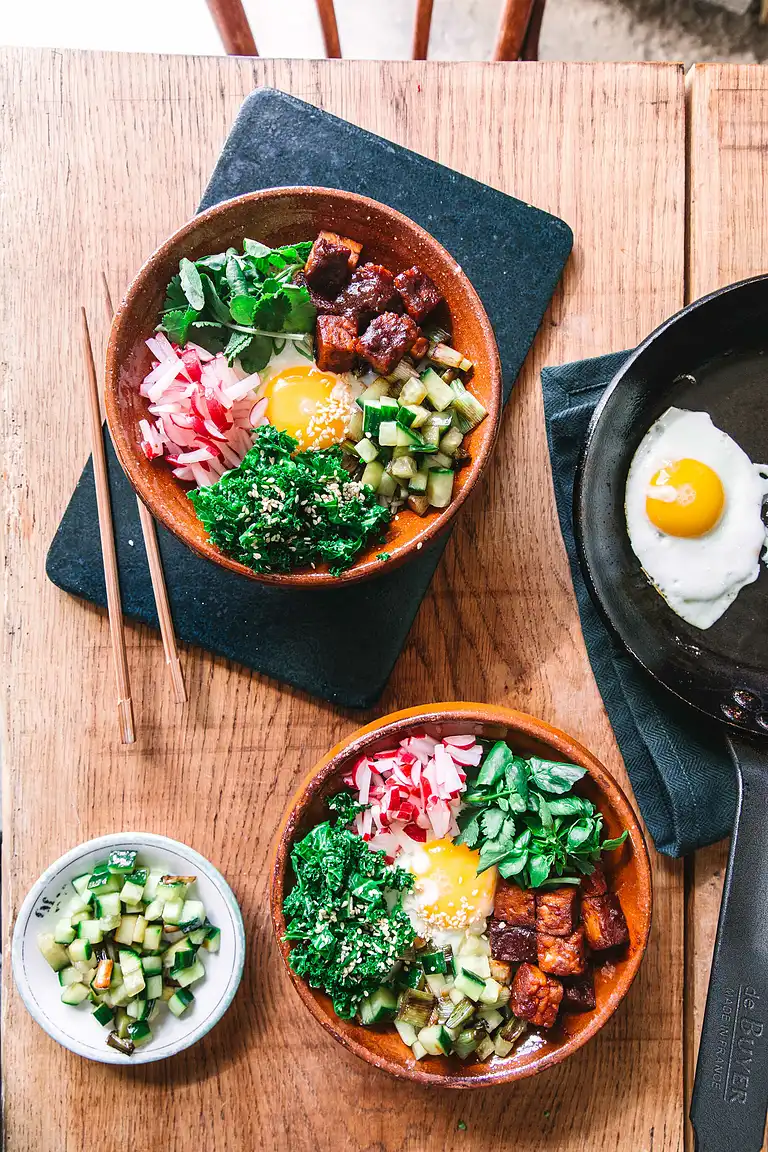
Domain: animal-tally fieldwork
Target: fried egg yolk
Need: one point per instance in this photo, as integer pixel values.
(448, 893)
(685, 498)
(304, 402)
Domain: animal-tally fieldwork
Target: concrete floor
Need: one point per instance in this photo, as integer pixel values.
(687, 30)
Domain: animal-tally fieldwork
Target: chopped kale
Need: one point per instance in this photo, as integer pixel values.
(345, 929)
(279, 511)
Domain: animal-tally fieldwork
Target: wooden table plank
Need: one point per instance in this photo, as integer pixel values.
(103, 155)
(728, 241)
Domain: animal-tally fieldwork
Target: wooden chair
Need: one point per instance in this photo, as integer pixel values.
(517, 38)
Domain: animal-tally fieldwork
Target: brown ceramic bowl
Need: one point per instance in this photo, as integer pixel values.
(278, 216)
(627, 869)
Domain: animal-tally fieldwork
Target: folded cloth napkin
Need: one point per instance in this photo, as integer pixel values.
(676, 757)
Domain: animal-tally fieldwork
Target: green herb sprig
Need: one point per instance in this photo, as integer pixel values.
(520, 815)
(345, 929)
(282, 509)
(243, 304)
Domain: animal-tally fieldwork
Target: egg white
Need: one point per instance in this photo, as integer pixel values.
(699, 577)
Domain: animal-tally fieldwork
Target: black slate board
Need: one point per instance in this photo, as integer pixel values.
(338, 644)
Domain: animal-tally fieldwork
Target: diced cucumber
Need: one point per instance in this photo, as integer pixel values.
(172, 911)
(379, 388)
(122, 1020)
(407, 438)
(154, 986)
(171, 890)
(70, 975)
(371, 417)
(451, 442)
(387, 486)
(418, 482)
(436, 983)
(103, 1014)
(438, 392)
(435, 1040)
(64, 933)
(74, 994)
(124, 934)
(418, 1050)
(381, 1005)
(121, 861)
(501, 1046)
(471, 985)
(491, 992)
(150, 888)
(110, 923)
(419, 413)
(153, 937)
(90, 930)
(183, 960)
(438, 460)
(477, 964)
(440, 487)
(403, 469)
(101, 883)
(455, 995)
(80, 950)
(413, 392)
(366, 450)
(80, 883)
(140, 1032)
(77, 904)
(154, 910)
(388, 407)
(119, 996)
(405, 416)
(491, 1018)
(388, 430)
(139, 930)
(485, 1049)
(372, 474)
(170, 954)
(107, 905)
(190, 975)
(180, 1001)
(151, 965)
(408, 1033)
(212, 939)
(138, 1009)
(434, 962)
(130, 961)
(355, 426)
(133, 982)
(131, 892)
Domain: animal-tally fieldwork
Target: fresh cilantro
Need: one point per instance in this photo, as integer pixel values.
(282, 509)
(344, 920)
(250, 294)
(520, 816)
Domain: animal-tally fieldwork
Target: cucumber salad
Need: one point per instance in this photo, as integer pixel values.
(129, 940)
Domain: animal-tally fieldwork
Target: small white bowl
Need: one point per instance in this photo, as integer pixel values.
(75, 1027)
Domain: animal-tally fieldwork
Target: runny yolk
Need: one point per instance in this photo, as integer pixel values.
(300, 402)
(449, 892)
(685, 498)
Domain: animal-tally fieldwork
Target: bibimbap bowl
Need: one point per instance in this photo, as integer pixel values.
(453, 1002)
(200, 419)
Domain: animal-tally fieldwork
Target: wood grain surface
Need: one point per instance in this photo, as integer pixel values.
(728, 241)
(102, 156)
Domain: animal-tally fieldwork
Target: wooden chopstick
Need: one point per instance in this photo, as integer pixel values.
(109, 557)
(157, 575)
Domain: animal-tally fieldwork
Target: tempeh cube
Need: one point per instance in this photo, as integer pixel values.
(419, 293)
(579, 993)
(604, 921)
(557, 910)
(535, 996)
(515, 905)
(594, 884)
(562, 955)
(386, 340)
(335, 345)
(511, 943)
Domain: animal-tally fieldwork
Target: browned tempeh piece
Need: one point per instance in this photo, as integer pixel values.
(535, 996)
(515, 905)
(557, 910)
(562, 955)
(604, 921)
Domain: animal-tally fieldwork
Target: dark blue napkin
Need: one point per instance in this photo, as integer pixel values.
(676, 758)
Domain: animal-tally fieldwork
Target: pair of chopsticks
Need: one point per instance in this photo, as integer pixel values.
(109, 556)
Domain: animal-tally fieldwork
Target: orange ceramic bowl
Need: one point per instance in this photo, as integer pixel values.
(627, 869)
(279, 216)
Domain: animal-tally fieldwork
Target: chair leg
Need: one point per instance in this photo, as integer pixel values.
(327, 14)
(421, 29)
(531, 42)
(235, 31)
(515, 20)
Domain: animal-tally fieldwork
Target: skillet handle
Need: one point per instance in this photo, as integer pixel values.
(730, 1092)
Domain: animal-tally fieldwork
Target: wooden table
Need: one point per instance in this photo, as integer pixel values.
(104, 155)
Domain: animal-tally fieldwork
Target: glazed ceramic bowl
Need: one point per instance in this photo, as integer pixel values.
(627, 870)
(278, 216)
(76, 1028)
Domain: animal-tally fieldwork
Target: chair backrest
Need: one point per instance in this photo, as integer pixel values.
(517, 36)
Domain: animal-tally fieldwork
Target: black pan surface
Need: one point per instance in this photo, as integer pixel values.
(711, 357)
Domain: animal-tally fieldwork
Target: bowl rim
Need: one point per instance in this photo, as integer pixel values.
(147, 1054)
(404, 719)
(133, 469)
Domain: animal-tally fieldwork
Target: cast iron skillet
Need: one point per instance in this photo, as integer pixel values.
(713, 357)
